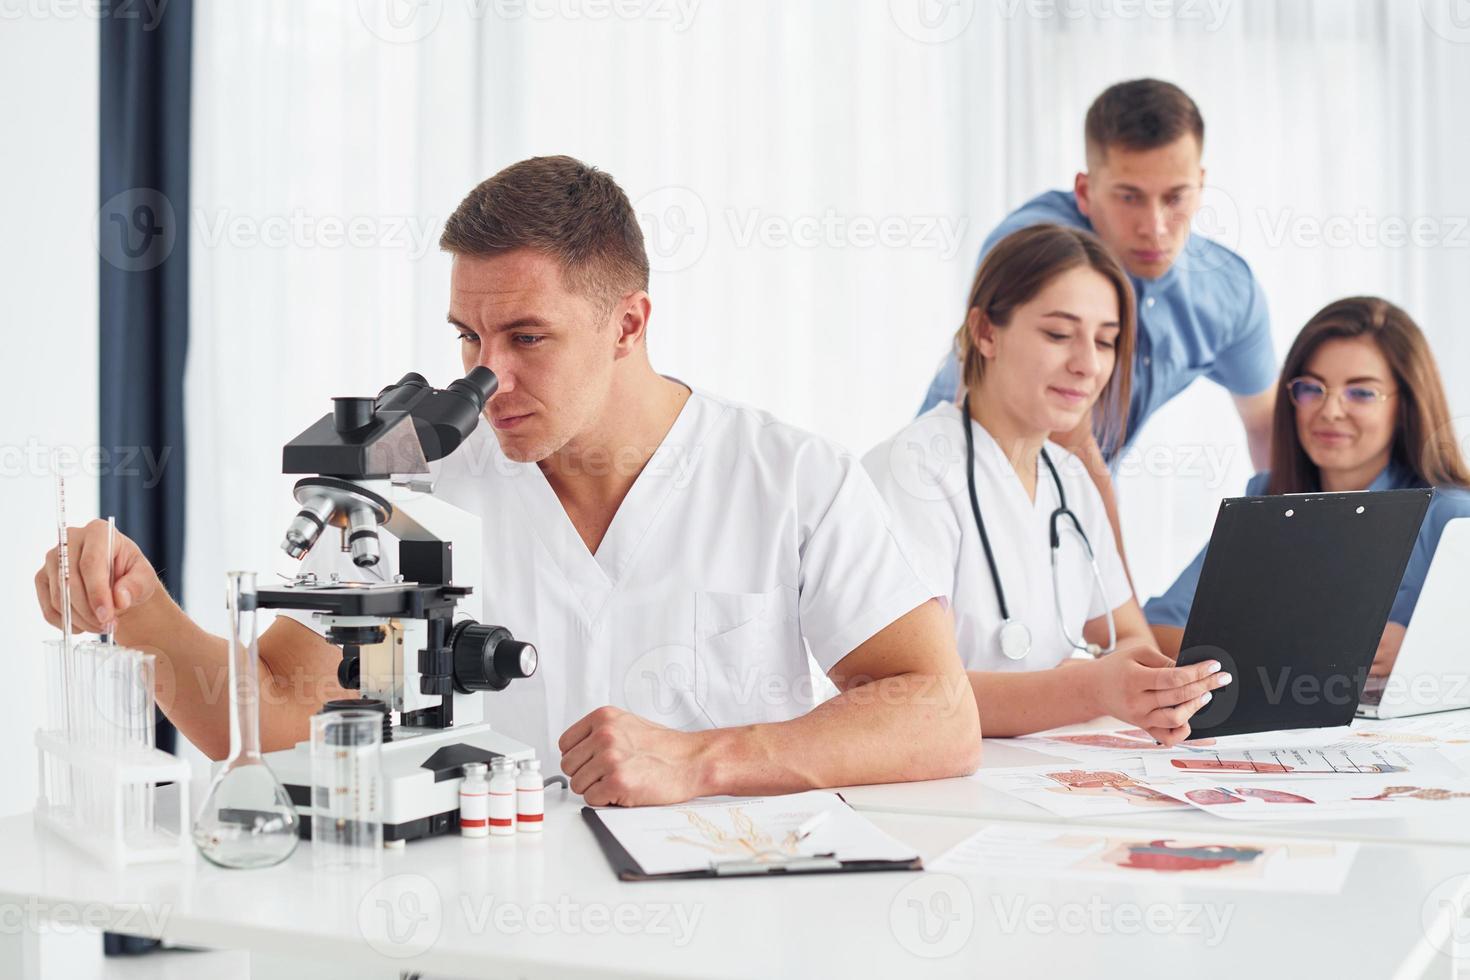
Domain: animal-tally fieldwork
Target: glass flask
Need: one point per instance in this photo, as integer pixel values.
(247, 820)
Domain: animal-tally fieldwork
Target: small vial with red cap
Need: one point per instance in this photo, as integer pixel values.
(502, 797)
(474, 816)
(530, 797)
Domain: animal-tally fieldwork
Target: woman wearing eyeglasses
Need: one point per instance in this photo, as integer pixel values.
(1364, 410)
(1009, 527)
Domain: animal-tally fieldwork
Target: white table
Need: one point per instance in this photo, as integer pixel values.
(969, 797)
(552, 908)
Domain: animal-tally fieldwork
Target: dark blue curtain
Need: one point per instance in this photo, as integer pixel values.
(143, 242)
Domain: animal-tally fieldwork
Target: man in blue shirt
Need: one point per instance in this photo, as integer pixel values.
(1200, 310)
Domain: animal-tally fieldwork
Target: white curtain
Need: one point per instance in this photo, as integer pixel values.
(815, 179)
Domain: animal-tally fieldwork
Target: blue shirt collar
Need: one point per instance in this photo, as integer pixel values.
(1394, 476)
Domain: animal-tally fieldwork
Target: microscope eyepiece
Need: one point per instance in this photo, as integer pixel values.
(478, 386)
(404, 394)
(352, 413)
(367, 439)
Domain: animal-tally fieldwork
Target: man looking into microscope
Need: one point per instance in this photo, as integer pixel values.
(671, 553)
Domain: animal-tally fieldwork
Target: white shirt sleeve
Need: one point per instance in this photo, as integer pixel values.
(855, 577)
(921, 505)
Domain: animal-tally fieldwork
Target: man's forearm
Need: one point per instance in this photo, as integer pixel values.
(1103, 480)
(1259, 440)
(192, 681)
(1082, 443)
(900, 728)
(1257, 415)
(1169, 639)
(191, 676)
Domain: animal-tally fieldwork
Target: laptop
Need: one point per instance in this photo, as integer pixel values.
(1292, 601)
(1432, 672)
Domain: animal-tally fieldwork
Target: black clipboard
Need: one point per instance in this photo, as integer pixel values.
(1293, 598)
(628, 869)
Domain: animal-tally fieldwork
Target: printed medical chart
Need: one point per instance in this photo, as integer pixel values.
(1081, 791)
(688, 837)
(1353, 760)
(1125, 743)
(1450, 733)
(1252, 863)
(1315, 798)
(1120, 743)
(1447, 732)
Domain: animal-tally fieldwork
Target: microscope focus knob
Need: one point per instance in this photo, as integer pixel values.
(488, 658)
(516, 659)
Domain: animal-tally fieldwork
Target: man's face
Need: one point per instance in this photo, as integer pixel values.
(552, 348)
(1141, 202)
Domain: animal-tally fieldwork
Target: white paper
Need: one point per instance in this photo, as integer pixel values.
(1080, 791)
(1208, 861)
(688, 837)
(1318, 762)
(1315, 798)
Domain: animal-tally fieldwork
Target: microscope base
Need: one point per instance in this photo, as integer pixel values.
(421, 776)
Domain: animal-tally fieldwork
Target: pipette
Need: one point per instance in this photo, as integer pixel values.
(63, 562)
(109, 629)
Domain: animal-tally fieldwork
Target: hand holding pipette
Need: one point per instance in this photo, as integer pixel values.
(101, 591)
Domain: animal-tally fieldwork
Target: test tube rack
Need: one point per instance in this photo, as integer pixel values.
(98, 769)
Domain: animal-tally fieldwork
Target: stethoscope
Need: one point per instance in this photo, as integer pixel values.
(1015, 636)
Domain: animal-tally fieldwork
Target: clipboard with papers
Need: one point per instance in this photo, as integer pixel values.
(801, 833)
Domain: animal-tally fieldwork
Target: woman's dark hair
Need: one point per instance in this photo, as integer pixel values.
(1424, 437)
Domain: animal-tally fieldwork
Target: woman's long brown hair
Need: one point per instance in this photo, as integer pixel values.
(1424, 440)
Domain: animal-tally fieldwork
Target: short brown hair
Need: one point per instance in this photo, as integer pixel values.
(560, 206)
(1424, 436)
(1018, 268)
(1143, 114)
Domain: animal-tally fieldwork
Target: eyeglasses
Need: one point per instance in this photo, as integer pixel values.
(1309, 393)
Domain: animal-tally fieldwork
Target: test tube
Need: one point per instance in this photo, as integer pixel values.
(346, 789)
(88, 708)
(143, 693)
(58, 775)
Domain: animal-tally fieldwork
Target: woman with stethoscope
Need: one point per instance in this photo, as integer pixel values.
(1008, 526)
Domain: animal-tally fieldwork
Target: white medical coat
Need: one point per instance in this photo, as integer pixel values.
(743, 544)
(921, 473)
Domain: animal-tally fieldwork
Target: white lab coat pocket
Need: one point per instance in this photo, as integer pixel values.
(749, 661)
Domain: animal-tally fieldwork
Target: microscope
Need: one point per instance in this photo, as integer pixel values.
(402, 646)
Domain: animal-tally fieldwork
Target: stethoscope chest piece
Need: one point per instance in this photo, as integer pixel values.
(1015, 639)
